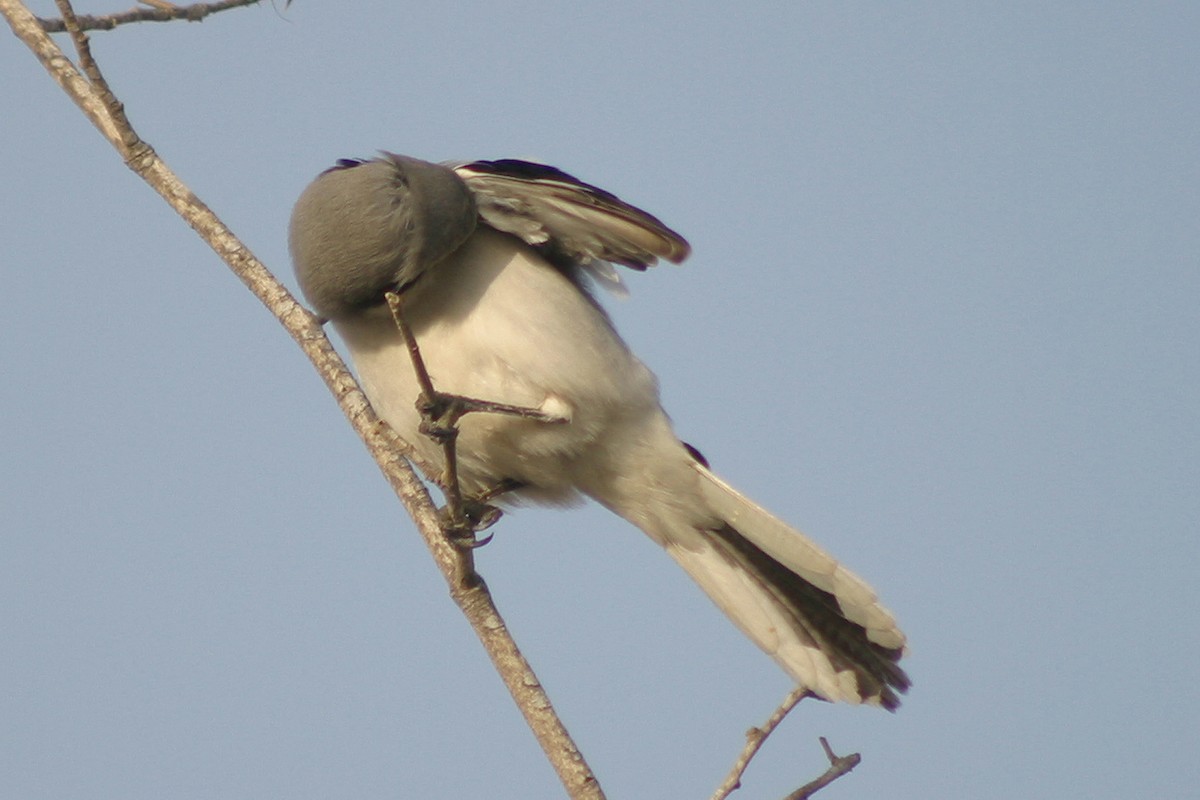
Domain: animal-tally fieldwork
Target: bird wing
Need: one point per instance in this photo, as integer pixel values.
(569, 221)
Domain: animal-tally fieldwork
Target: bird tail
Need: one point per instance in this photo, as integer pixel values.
(818, 620)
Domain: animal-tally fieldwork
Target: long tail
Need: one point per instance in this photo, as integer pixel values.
(818, 620)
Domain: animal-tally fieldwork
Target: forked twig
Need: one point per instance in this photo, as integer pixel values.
(755, 737)
(92, 70)
(838, 766)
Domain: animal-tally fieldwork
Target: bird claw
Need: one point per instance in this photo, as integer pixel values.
(465, 539)
(474, 515)
(478, 514)
(502, 486)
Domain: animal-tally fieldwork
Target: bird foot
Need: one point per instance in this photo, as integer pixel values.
(440, 413)
(477, 514)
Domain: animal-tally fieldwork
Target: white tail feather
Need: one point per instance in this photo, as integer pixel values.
(800, 554)
(766, 620)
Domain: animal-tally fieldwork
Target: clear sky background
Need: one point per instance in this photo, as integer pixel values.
(942, 315)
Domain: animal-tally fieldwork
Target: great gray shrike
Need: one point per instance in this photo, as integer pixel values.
(493, 260)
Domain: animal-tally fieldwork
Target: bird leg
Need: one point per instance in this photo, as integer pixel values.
(462, 517)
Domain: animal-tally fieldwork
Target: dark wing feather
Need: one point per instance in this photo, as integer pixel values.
(567, 219)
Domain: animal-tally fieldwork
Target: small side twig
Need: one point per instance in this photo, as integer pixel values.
(838, 766)
(130, 145)
(755, 737)
(160, 12)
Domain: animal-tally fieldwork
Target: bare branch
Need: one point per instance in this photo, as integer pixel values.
(161, 12)
(91, 69)
(98, 103)
(838, 766)
(755, 737)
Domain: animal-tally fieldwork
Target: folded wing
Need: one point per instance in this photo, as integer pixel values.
(569, 221)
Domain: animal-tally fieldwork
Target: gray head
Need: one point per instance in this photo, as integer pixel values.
(367, 227)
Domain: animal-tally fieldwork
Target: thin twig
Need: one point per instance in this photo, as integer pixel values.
(160, 13)
(131, 145)
(455, 563)
(755, 737)
(838, 766)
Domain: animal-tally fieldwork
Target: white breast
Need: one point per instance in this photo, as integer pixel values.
(500, 323)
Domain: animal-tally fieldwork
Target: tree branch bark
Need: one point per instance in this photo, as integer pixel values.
(91, 93)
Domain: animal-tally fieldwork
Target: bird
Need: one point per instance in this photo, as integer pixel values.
(496, 263)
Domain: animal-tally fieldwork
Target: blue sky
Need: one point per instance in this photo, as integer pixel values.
(941, 314)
